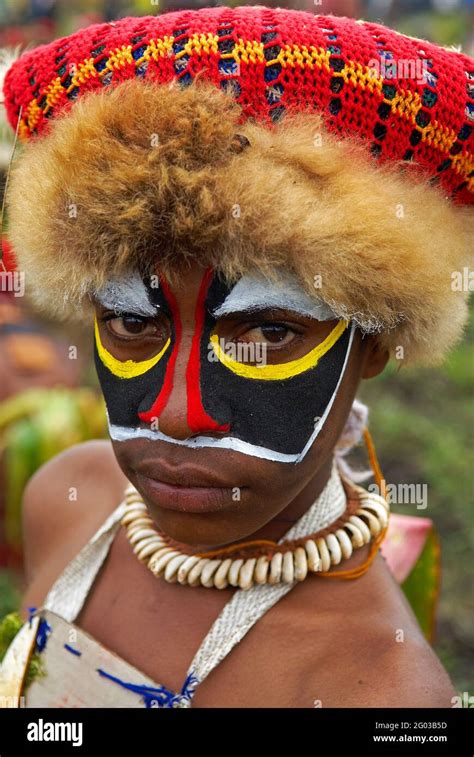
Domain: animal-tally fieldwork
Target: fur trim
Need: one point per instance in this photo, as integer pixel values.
(144, 174)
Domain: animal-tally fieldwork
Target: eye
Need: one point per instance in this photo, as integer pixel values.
(269, 333)
(129, 325)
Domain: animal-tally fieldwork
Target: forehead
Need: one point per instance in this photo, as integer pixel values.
(252, 291)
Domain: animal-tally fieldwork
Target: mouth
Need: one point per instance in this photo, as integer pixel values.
(185, 489)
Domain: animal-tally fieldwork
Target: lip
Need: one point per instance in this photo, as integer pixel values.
(182, 475)
(185, 499)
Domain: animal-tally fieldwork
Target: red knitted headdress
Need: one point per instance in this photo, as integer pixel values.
(346, 148)
(411, 99)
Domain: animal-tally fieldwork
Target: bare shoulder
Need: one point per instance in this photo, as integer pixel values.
(64, 503)
(369, 650)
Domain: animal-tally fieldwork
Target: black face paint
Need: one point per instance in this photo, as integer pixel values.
(276, 418)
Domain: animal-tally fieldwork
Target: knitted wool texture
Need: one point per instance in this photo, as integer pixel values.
(337, 148)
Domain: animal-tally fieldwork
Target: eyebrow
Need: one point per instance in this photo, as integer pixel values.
(254, 292)
(127, 294)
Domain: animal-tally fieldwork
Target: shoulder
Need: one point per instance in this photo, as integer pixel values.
(65, 502)
(408, 670)
(370, 650)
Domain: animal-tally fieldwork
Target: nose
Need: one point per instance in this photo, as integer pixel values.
(178, 410)
(173, 417)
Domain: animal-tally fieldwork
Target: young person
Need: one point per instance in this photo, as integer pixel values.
(255, 217)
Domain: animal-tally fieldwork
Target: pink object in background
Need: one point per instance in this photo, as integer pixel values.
(404, 542)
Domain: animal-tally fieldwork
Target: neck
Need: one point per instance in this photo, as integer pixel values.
(278, 526)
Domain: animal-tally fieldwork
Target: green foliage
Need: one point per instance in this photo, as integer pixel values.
(421, 586)
(36, 425)
(9, 593)
(9, 627)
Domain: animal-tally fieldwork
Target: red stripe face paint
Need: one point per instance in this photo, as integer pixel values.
(198, 420)
(160, 402)
(216, 405)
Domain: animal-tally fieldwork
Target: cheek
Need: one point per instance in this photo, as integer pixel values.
(123, 456)
(126, 397)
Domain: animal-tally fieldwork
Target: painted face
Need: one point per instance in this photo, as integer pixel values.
(248, 388)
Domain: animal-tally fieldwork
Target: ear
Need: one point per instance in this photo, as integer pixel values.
(376, 357)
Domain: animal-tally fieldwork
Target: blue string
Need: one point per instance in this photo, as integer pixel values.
(72, 650)
(44, 629)
(31, 612)
(161, 695)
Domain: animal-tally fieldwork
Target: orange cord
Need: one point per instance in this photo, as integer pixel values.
(374, 463)
(380, 481)
(236, 547)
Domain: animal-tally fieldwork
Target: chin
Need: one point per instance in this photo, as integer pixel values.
(211, 529)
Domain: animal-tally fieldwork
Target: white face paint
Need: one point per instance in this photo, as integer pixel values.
(255, 292)
(127, 294)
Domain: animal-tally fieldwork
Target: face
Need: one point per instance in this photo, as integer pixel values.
(223, 401)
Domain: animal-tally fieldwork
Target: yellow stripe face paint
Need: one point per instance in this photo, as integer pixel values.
(281, 370)
(125, 369)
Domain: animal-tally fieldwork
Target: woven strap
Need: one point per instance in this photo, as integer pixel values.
(68, 593)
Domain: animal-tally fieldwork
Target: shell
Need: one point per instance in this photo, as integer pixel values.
(246, 573)
(185, 568)
(194, 575)
(357, 539)
(301, 564)
(220, 576)
(275, 568)
(133, 497)
(141, 520)
(314, 561)
(207, 574)
(158, 563)
(234, 571)
(324, 554)
(367, 497)
(156, 556)
(380, 511)
(134, 517)
(317, 554)
(142, 533)
(147, 547)
(171, 570)
(363, 527)
(288, 568)
(133, 510)
(334, 548)
(374, 524)
(261, 570)
(344, 542)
